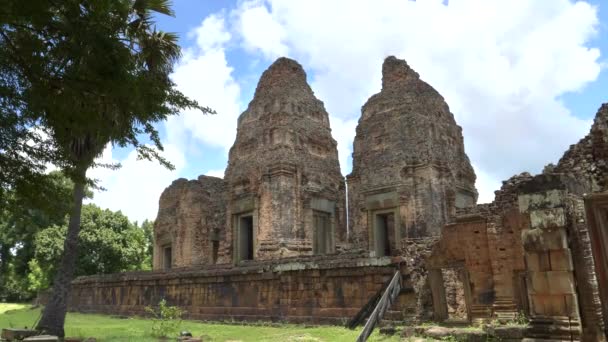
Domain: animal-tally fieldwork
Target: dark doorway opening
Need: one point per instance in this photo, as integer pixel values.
(167, 254)
(246, 238)
(322, 233)
(385, 224)
(215, 249)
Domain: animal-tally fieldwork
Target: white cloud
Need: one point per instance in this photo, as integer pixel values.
(204, 75)
(341, 130)
(135, 188)
(216, 173)
(211, 34)
(501, 65)
(262, 32)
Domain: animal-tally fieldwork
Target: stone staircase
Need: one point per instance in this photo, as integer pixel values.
(504, 309)
(553, 329)
(480, 314)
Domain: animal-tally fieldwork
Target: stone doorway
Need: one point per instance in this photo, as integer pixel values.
(455, 294)
(167, 257)
(384, 232)
(520, 287)
(245, 237)
(451, 293)
(215, 246)
(322, 235)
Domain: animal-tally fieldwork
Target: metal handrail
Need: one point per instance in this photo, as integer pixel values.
(390, 294)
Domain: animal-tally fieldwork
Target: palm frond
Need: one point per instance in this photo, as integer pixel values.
(160, 48)
(142, 7)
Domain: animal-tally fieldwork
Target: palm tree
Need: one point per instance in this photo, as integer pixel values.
(91, 73)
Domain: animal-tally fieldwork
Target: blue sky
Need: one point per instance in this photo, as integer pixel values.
(524, 79)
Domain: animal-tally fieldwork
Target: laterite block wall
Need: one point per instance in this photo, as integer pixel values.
(321, 290)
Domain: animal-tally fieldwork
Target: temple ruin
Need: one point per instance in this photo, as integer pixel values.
(271, 239)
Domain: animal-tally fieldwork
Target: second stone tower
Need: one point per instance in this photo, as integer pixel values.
(410, 171)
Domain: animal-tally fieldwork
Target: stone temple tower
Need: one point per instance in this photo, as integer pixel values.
(410, 171)
(286, 195)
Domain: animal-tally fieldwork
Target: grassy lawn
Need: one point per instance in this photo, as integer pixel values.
(107, 328)
(4, 307)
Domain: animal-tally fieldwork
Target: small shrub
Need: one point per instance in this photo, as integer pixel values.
(520, 319)
(166, 319)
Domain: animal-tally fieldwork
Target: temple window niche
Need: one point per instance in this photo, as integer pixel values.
(323, 226)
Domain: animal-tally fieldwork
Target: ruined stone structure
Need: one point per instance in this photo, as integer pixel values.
(410, 171)
(187, 229)
(283, 194)
(269, 241)
(531, 250)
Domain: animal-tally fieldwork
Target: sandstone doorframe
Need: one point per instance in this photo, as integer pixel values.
(438, 291)
(322, 233)
(376, 237)
(245, 231)
(161, 243)
(323, 210)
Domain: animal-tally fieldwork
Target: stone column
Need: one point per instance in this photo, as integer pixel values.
(550, 279)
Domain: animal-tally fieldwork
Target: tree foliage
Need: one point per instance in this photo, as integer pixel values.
(23, 215)
(113, 243)
(32, 235)
(85, 73)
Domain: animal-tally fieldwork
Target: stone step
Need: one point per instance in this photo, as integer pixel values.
(557, 332)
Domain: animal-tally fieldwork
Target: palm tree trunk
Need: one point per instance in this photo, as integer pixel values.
(53, 317)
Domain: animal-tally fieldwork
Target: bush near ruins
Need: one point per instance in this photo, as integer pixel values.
(167, 319)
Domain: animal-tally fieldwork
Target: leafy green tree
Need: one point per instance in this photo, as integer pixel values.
(148, 229)
(37, 278)
(22, 216)
(112, 242)
(89, 73)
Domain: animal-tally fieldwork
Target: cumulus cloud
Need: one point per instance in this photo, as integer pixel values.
(204, 75)
(216, 173)
(501, 65)
(135, 188)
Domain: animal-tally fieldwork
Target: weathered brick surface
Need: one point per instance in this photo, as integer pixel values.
(320, 290)
(407, 144)
(190, 214)
(587, 161)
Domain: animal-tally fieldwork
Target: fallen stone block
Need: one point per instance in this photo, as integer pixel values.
(42, 338)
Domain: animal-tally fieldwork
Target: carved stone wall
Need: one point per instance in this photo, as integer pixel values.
(408, 160)
(283, 168)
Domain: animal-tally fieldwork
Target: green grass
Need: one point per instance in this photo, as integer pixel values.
(4, 307)
(107, 328)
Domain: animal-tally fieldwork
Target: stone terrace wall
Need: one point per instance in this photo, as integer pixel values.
(318, 290)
